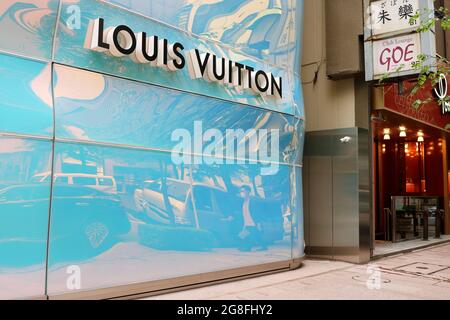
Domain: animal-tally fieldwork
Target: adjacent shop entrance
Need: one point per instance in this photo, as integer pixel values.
(411, 181)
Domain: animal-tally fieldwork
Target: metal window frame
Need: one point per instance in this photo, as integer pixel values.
(158, 287)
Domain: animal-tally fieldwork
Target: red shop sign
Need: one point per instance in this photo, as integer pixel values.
(431, 113)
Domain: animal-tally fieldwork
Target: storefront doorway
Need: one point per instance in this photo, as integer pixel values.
(410, 182)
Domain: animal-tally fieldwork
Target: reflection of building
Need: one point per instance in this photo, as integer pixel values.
(259, 28)
(20, 161)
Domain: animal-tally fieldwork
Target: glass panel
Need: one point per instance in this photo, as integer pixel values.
(262, 29)
(94, 107)
(414, 159)
(70, 50)
(24, 210)
(203, 198)
(154, 227)
(27, 27)
(62, 180)
(25, 97)
(107, 182)
(293, 217)
(410, 214)
(177, 190)
(84, 181)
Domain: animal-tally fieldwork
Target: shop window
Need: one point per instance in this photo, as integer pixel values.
(105, 182)
(84, 181)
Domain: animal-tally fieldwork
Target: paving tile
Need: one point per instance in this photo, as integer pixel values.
(444, 273)
(421, 268)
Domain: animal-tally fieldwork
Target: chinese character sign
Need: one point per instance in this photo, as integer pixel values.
(392, 43)
(392, 15)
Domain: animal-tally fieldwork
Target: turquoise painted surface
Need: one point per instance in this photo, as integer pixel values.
(70, 50)
(25, 96)
(27, 27)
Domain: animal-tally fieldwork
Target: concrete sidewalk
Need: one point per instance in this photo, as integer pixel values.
(421, 274)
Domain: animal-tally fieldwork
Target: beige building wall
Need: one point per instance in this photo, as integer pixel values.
(329, 104)
(336, 178)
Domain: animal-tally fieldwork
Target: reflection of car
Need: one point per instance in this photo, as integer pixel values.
(22, 210)
(102, 183)
(91, 221)
(85, 221)
(208, 208)
(182, 210)
(150, 200)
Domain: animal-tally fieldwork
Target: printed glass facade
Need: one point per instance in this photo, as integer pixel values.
(87, 178)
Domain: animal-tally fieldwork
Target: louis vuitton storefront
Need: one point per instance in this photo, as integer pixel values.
(147, 145)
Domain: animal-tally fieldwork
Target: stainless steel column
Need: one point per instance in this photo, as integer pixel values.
(337, 194)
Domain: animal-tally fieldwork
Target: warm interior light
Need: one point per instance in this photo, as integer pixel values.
(402, 132)
(387, 137)
(420, 137)
(386, 133)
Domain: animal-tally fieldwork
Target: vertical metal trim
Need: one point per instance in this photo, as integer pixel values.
(293, 181)
(56, 29)
(372, 174)
(364, 194)
(446, 184)
(333, 248)
(52, 81)
(306, 201)
(308, 183)
(367, 17)
(394, 221)
(368, 45)
(297, 50)
(51, 186)
(292, 225)
(428, 39)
